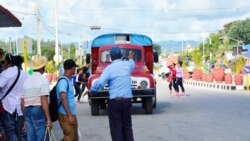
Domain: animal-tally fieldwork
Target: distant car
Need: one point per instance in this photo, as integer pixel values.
(163, 72)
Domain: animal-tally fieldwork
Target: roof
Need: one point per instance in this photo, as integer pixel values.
(110, 39)
(7, 19)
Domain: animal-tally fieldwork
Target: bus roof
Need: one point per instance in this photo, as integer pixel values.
(121, 38)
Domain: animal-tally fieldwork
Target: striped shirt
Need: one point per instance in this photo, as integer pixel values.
(34, 87)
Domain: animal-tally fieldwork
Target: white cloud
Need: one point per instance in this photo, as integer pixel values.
(160, 19)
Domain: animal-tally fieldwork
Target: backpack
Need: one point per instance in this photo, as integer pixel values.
(53, 106)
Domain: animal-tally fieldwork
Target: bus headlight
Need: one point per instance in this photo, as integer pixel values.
(144, 84)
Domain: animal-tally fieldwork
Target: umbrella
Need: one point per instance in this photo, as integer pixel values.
(7, 19)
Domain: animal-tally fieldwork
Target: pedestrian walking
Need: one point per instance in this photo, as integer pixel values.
(35, 103)
(67, 104)
(172, 81)
(78, 84)
(118, 77)
(85, 78)
(11, 82)
(179, 79)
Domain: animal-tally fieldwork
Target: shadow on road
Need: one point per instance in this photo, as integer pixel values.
(161, 107)
(138, 110)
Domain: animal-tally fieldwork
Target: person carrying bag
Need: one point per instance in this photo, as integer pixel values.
(49, 134)
(2, 133)
(11, 81)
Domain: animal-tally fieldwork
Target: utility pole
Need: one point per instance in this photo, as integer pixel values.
(203, 48)
(38, 29)
(56, 26)
(69, 51)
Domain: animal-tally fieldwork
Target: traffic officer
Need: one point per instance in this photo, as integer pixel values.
(118, 77)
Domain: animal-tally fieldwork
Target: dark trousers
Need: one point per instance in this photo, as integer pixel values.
(13, 126)
(78, 91)
(120, 122)
(172, 84)
(179, 82)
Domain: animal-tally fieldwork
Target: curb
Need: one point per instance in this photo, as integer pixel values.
(221, 86)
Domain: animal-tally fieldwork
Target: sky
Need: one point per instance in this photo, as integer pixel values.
(159, 19)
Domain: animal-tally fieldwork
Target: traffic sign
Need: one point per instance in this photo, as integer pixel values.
(246, 70)
(57, 58)
(20, 45)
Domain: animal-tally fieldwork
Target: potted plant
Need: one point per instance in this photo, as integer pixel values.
(210, 78)
(228, 78)
(237, 67)
(209, 73)
(218, 72)
(196, 58)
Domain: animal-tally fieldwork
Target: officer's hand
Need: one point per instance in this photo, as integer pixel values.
(124, 58)
(131, 55)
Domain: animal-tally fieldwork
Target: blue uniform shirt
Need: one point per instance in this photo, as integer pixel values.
(62, 86)
(117, 76)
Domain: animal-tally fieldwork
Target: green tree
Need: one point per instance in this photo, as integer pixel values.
(69, 51)
(3, 45)
(227, 28)
(157, 48)
(241, 30)
(50, 66)
(196, 57)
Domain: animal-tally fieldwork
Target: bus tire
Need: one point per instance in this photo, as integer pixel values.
(148, 105)
(154, 99)
(154, 102)
(94, 107)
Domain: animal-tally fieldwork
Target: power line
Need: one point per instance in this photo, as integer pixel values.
(152, 10)
(48, 28)
(75, 23)
(45, 25)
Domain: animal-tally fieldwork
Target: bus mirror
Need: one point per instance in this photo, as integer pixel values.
(156, 57)
(87, 58)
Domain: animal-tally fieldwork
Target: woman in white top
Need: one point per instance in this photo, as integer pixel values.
(179, 79)
(12, 116)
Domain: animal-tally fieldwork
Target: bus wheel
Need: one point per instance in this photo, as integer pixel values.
(94, 107)
(148, 105)
(155, 102)
(103, 105)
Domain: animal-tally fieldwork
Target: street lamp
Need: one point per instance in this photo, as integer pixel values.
(95, 27)
(57, 55)
(203, 37)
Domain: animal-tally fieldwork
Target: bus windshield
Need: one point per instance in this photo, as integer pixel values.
(105, 55)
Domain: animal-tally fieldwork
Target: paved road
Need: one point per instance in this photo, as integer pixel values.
(205, 115)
